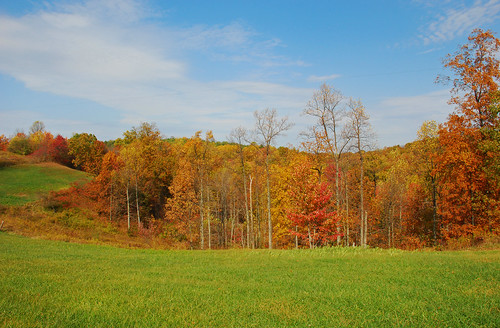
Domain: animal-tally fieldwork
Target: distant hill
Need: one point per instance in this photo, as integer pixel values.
(22, 182)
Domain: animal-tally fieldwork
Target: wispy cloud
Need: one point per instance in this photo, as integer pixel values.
(455, 22)
(433, 103)
(323, 78)
(110, 53)
(398, 118)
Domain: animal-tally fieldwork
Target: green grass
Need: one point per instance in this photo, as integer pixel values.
(21, 184)
(47, 283)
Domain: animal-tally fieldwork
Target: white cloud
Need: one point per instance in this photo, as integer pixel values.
(433, 103)
(323, 78)
(398, 119)
(105, 52)
(456, 22)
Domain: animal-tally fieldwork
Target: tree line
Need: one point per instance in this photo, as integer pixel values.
(334, 189)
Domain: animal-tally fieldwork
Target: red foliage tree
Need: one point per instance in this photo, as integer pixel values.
(311, 212)
(40, 144)
(59, 152)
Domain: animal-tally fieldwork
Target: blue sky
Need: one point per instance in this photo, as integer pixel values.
(103, 66)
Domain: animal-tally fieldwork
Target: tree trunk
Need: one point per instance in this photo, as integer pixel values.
(366, 230)
(137, 204)
(202, 236)
(111, 201)
(128, 207)
(434, 210)
(252, 235)
(347, 212)
(270, 224)
(337, 194)
(247, 216)
(309, 237)
(361, 194)
(296, 238)
(208, 222)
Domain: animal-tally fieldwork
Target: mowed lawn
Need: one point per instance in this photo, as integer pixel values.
(24, 183)
(57, 284)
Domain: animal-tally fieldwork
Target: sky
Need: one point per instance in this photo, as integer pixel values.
(105, 66)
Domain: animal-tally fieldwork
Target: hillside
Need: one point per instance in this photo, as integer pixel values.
(28, 208)
(22, 182)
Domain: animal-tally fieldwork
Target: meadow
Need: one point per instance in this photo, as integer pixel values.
(52, 283)
(21, 184)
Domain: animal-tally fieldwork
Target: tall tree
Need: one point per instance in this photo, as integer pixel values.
(428, 148)
(466, 190)
(361, 133)
(268, 127)
(199, 151)
(239, 136)
(182, 208)
(148, 163)
(325, 107)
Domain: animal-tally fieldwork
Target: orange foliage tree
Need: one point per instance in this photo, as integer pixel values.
(181, 210)
(4, 142)
(466, 198)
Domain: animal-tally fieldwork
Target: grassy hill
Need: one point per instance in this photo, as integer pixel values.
(47, 283)
(22, 182)
(24, 210)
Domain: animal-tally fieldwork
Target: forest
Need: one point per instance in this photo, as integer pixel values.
(334, 189)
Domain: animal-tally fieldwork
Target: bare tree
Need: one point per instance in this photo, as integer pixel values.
(36, 127)
(268, 127)
(360, 131)
(325, 106)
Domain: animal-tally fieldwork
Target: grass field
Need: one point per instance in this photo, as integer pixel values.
(47, 283)
(20, 184)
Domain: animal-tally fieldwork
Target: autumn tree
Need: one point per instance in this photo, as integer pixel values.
(310, 208)
(59, 151)
(20, 144)
(41, 142)
(148, 167)
(467, 199)
(4, 143)
(87, 152)
(268, 127)
(106, 185)
(391, 193)
(490, 147)
(239, 137)
(428, 147)
(181, 210)
(327, 133)
(199, 152)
